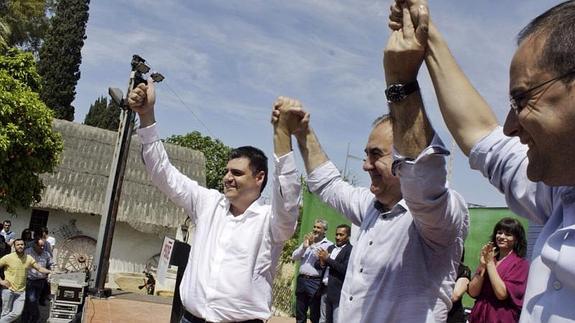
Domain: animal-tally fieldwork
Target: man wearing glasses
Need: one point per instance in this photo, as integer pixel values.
(531, 159)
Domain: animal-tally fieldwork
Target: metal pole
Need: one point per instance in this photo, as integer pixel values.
(113, 193)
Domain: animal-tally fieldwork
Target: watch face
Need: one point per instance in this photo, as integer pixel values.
(395, 93)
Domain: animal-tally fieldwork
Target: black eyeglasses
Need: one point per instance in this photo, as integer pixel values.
(515, 100)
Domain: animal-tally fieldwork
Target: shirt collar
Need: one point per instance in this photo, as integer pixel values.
(399, 208)
(257, 207)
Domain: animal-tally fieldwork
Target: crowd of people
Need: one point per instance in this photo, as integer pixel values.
(407, 254)
(25, 262)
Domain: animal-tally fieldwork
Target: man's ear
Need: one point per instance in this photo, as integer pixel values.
(260, 176)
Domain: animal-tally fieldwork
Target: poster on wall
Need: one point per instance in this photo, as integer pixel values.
(164, 262)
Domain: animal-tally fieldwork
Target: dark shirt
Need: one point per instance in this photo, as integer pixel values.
(457, 312)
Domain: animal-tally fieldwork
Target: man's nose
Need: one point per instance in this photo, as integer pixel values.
(511, 126)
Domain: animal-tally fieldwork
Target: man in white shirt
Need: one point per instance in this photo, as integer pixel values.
(530, 159)
(7, 233)
(308, 287)
(237, 239)
(412, 226)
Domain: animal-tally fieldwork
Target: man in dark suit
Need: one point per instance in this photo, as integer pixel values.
(335, 261)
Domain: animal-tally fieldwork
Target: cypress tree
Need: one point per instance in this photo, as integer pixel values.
(103, 115)
(60, 56)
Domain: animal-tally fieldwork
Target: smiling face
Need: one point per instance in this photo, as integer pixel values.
(241, 186)
(546, 124)
(318, 231)
(504, 241)
(379, 157)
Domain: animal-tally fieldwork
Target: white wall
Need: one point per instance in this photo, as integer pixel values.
(130, 248)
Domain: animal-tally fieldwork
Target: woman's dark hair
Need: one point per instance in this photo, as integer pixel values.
(515, 228)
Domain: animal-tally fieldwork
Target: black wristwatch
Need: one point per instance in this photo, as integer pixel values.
(398, 92)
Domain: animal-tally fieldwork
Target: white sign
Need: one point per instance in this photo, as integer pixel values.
(164, 262)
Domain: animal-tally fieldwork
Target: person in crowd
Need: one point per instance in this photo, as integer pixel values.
(238, 239)
(412, 226)
(498, 285)
(4, 250)
(15, 265)
(530, 159)
(308, 286)
(335, 260)
(457, 312)
(27, 237)
(36, 282)
(43, 233)
(7, 233)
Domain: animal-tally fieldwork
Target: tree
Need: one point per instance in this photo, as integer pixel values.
(103, 114)
(60, 56)
(28, 145)
(215, 152)
(27, 22)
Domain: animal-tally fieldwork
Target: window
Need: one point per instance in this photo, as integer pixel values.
(38, 219)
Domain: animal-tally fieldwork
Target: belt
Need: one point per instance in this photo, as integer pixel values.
(310, 277)
(194, 319)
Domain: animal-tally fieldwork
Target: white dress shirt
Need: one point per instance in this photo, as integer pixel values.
(550, 293)
(233, 258)
(403, 266)
(309, 261)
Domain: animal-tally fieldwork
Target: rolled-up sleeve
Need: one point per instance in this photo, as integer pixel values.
(352, 202)
(286, 197)
(439, 213)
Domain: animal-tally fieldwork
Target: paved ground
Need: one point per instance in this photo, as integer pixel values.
(127, 308)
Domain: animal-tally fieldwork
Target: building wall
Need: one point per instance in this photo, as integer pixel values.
(131, 249)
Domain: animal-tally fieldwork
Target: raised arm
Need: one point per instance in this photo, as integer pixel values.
(440, 214)
(286, 181)
(403, 57)
(466, 114)
(142, 100)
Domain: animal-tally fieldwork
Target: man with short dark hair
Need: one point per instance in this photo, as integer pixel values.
(7, 233)
(237, 238)
(530, 159)
(335, 260)
(308, 286)
(14, 284)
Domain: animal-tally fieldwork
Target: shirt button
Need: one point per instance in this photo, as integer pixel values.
(370, 243)
(557, 285)
(351, 298)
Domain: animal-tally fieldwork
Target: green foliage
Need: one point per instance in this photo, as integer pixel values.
(26, 21)
(292, 244)
(28, 145)
(103, 114)
(60, 56)
(215, 152)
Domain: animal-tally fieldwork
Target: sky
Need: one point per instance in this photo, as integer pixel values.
(225, 62)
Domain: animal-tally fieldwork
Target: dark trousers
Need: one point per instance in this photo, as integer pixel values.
(308, 296)
(34, 290)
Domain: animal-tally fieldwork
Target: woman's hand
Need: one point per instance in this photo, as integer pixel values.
(487, 254)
